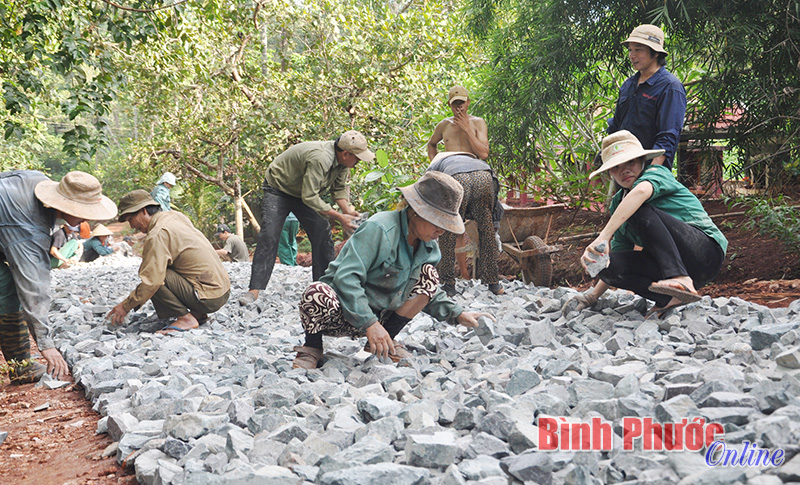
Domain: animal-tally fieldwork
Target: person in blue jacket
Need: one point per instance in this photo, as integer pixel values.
(681, 248)
(386, 274)
(652, 102)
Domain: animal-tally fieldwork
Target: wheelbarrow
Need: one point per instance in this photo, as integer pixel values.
(523, 234)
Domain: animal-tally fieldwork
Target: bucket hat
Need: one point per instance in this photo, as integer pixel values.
(169, 178)
(649, 35)
(457, 93)
(78, 194)
(133, 202)
(621, 147)
(101, 230)
(436, 197)
(355, 143)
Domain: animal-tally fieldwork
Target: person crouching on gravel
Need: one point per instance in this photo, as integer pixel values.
(180, 271)
(386, 274)
(682, 249)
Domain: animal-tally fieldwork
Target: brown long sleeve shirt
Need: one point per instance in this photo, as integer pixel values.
(173, 242)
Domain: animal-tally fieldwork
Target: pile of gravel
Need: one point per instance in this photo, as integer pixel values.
(222, 404)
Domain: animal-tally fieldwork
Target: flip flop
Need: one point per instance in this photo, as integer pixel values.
(684, 294)
(660, 312)
(172, 328)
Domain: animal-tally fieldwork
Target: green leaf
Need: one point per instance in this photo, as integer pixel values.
(373, 176)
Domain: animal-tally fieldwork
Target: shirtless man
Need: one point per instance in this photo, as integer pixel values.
(466, 144)
(461, 132)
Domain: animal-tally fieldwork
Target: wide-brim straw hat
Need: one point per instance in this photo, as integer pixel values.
(101, 230)
(436, 197)
(649, 35)
(78, 194)
(621, 147)
(133, 202)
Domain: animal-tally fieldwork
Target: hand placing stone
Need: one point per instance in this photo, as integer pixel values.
(579, 303)
(600, 262)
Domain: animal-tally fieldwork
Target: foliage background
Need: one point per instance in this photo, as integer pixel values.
(213, 90)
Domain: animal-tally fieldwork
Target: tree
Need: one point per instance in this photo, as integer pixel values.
(57, 57)
(227, 86)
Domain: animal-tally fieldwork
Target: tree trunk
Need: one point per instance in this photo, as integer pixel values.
(238, 209)
(253, 219)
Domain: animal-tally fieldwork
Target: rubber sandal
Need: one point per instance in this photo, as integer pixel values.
(247, 299)
(660, 312)
(169, 329)
(684, 294)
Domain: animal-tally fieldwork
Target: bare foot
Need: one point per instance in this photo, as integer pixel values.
(182, 324)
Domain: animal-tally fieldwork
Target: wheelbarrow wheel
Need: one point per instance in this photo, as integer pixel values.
(537, 269)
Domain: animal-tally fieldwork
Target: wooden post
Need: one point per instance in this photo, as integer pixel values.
(238, 209)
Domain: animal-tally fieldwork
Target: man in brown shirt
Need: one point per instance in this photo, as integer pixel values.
(180, 271)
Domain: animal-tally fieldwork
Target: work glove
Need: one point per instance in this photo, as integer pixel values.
(578, 303)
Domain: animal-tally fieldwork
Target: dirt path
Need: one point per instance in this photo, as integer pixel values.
(57, 445)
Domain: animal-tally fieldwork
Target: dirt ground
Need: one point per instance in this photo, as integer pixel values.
(59, 445)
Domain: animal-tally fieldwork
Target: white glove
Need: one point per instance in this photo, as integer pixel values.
(579, 303)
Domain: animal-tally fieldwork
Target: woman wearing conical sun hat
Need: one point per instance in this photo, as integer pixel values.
(96, 245)
(682, 248)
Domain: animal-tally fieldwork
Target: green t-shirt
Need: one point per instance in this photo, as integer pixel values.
(672, 197)
(308, 169)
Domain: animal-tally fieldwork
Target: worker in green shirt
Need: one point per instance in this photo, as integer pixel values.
(295, 182)
(681, 248)
(287, 247)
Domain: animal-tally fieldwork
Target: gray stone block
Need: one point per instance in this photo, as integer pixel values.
(240, 411)
(710, 387)
(146, 465)
(290, 431)
(480, 467)
(119, 424)
(238, 444)
(437, 450)
(764, 336)
(486, 444)
(523, 379)
(373, 408)
(530, 468)
(790, 471)
(675, 409)
(614, 373)
(192, 425)
(382, 473)
(728, 399)
(601, 261)
(175, 448)
(485, 330)
(789, 359)
(496, 424)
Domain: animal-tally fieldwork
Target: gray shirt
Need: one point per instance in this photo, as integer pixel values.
(237, 249)
(25, 226)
